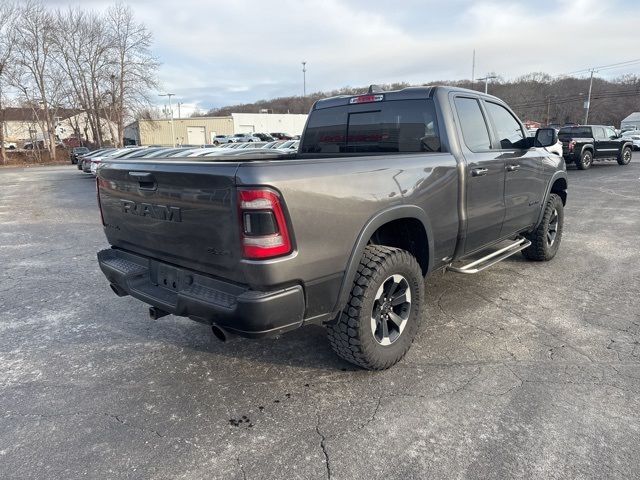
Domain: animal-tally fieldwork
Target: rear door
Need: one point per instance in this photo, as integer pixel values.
(485, 172)
(524, 185)
(600, 142)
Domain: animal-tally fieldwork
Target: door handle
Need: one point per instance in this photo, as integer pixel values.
(479, 172)
(513, 168)
(145, 180)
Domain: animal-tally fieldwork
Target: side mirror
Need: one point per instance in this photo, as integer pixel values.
(545, 137)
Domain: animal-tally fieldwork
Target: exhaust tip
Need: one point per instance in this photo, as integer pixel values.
(119, 291)
(219, 333)
(155, 313)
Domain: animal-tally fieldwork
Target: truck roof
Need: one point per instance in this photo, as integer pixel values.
(408, 93)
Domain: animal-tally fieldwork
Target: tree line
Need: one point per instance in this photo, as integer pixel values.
(537, 97)
(99, 63)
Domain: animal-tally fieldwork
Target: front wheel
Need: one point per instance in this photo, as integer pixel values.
(625, 156)
(585, 160)
(382, 316)
(545, 239)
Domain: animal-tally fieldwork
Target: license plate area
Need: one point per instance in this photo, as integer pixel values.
(168, 277)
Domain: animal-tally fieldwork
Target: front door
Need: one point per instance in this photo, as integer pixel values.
(524, 186)
(485, 176)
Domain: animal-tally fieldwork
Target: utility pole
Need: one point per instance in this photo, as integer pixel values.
(548, 108)
(179, 103)
(304, 79)
(587, 104)
(486, 79)
(173, 131)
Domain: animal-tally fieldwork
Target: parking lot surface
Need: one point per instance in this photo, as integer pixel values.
(527, 369)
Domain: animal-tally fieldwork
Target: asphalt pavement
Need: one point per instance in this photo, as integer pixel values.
(525, 370)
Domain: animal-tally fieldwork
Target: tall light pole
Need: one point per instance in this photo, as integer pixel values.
(173, 131)
(587, 104)
(486, 79)
(304, 79)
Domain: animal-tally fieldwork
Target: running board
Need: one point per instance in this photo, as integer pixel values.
(493, 258)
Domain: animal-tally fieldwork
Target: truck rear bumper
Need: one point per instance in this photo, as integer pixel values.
(186, 293)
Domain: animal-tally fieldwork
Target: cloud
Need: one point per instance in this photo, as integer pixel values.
(218, 53)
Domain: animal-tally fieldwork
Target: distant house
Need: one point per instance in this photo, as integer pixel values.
(21, 125)
(632, 121)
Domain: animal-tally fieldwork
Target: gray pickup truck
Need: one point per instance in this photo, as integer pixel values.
(385, 189)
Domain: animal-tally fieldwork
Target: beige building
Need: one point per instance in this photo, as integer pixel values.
(202, 130)
(188, 131)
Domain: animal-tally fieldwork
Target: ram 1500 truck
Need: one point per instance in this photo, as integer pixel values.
(585, 143)
(385, 189)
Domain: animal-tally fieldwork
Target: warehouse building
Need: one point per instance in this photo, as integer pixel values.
(202, 130)
(631, 122)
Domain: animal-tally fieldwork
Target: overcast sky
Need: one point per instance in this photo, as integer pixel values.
(221, 52)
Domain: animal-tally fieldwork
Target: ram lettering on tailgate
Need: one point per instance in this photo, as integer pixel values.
(159, 212)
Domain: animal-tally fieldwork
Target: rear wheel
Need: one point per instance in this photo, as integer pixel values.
(381, 319)
(625, 156)
(585, 160)
(545, 239)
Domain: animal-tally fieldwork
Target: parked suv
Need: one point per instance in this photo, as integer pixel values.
(386, 189)
(77, 152)
(244, 137)
(585, 143)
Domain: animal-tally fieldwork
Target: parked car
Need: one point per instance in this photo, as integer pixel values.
(218, 139)
(83, 158)
(281, 136)
(264, 137)
(386, 189)
(9, 145)
(244, 137)
(584, 144)
(289, 145)
(77, 152)
(632, 136)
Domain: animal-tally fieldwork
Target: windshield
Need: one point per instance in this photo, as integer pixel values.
(399, 126)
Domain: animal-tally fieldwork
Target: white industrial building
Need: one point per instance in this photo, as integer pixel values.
(632, 121)
(202, 130)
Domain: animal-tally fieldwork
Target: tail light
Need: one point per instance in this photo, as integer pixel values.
(264, 226)
(572, 145)
(99, 203)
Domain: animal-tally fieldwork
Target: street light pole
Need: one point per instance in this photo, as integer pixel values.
(173, 131)
(486, 79)
(304, 79)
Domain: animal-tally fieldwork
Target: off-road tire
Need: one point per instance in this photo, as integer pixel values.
(625, 156)
(540, 250)
(585, 161)
(351, 334)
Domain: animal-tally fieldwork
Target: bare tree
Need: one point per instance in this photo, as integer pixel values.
(7, 16)
(36, 75)
(135, 67)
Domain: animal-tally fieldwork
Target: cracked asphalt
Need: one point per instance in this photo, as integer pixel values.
(525, 370)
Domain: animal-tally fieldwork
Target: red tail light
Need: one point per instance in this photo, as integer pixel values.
(572, 145)
(264, 226)
(366, 99)
(99, 203)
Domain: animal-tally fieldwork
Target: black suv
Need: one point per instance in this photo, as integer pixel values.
(585, 143)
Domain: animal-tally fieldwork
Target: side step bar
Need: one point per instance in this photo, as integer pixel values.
(493, 258)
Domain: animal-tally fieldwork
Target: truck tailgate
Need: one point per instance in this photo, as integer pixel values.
(179, 212)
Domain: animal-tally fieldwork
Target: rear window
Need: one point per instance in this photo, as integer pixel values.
(400, 126)
(575, 132)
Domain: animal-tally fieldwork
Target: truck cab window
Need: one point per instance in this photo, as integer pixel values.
(509, 130)
(473, 125)
(400, 126)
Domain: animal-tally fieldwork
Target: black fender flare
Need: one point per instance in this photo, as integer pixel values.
(587, 146)
(554, 177)
(385, 216)
(625, 145)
